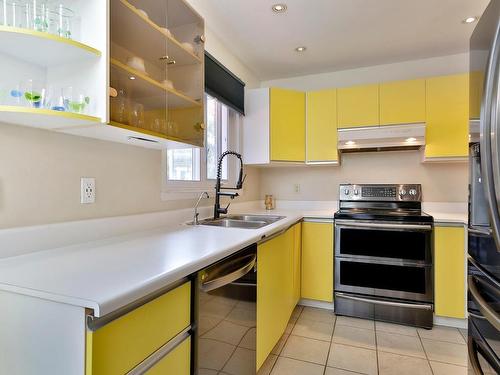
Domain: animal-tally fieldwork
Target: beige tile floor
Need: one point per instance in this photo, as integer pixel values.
(318, 342)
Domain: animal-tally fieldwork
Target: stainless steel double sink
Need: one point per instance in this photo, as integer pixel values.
(242, 221)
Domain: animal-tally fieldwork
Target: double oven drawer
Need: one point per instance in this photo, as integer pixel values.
(384, 259)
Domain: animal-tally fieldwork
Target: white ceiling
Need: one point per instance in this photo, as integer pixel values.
(339, 34)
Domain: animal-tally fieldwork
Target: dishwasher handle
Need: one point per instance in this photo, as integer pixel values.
(227, 272)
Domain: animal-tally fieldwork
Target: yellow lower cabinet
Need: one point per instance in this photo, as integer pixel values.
(317, 261)
(177, 362)
(297, 262)
(449, 271)
(274, 292)
(122, 344)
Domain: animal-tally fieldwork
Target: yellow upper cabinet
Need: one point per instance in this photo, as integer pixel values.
(317, 261)
(449, 271)
(287, 125)
(322, 126)
(358, 106)
(402, 102)
(447, 117)
(476, 82)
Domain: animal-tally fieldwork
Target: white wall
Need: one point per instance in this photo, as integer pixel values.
(441, 182)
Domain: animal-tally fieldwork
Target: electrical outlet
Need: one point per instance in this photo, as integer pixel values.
(87, 192)
(296, 188)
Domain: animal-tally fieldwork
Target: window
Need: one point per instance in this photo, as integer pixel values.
(193, 169)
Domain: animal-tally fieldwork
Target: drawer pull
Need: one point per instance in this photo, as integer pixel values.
(161, 353)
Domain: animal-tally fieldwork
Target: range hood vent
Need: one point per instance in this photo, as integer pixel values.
(382, 138)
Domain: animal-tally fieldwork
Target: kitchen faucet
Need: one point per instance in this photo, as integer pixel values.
(218, 193)
(196, 214)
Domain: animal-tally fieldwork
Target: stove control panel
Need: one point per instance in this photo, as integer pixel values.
(381, 192)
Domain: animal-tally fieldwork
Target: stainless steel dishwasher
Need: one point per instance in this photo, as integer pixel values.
(226, 315)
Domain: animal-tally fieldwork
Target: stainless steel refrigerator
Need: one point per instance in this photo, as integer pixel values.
(484, 196)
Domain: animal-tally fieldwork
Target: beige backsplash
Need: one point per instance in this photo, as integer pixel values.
(443, 182)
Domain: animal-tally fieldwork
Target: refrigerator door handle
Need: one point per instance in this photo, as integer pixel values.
(489, 132)
(490, 314)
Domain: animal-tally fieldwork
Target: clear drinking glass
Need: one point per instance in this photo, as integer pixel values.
(120, 107)
(55, 100)
(34, 94)
(61, 21)
(75, 100)
(40, 15)
(136, 115)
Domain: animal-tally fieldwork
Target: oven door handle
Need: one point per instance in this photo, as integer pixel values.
(485, 309)
(358, 224)
(385, 303)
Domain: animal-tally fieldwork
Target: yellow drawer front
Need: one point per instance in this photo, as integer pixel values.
(358, 106)
(122, 344)
(402, 102)
(449, 272)
(177, 362)
(288, 125)
(447, 128)
(317, 261)
(322, 126)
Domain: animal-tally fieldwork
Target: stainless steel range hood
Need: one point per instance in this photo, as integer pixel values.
(382, 138)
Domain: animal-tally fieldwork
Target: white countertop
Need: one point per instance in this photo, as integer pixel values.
(107, 274)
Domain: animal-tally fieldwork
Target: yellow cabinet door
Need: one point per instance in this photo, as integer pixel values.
(402, 102)
(449, 271)
(297, 255)
(274, 292)
(177, 362)
(358, 106)
(123, 343)
(322, 126)
(447, 127)
(287, 125)
(317, 261)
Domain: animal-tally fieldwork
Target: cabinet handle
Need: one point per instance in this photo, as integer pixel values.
(162, 352)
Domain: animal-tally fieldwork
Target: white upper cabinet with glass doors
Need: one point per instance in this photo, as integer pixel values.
(55, 61)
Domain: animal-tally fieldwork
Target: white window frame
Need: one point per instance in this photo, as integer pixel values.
(178, 190)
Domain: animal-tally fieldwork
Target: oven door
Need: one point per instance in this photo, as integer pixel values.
(383, 241)
(407, 281)
(484, 320)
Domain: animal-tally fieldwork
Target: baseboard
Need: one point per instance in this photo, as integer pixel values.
(450, 322)
(317, 304)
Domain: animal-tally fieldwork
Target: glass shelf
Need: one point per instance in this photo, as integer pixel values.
(147, 91)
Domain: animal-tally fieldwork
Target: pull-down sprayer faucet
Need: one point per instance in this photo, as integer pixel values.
(218, 193)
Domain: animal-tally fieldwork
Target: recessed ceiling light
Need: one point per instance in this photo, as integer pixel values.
(131, 78)
(411, 139)
(350, 143)
(279, 8)
(470, 20)
(300, 49)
